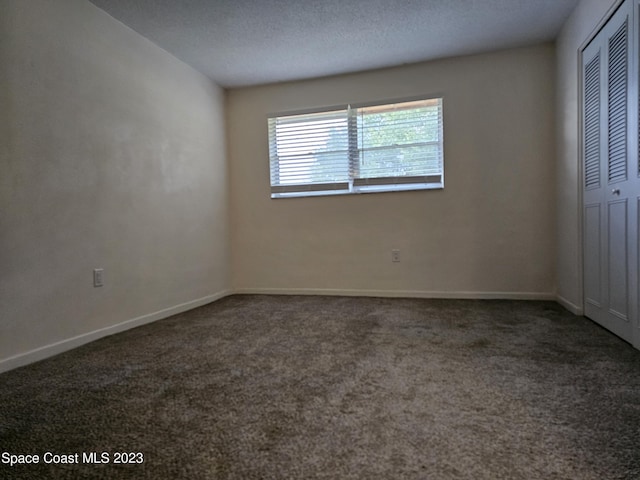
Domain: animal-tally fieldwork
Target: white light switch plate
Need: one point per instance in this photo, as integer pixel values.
(98, 277)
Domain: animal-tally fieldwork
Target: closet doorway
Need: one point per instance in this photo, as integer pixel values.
(611, 193)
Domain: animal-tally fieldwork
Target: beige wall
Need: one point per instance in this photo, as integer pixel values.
(490, 232)
(111, 155)
(575, 32)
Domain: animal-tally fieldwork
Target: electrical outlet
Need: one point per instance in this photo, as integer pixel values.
(98, 277)
(395, 255)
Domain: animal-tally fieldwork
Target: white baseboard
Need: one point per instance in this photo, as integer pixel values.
(572, 307)
(399, 293)
(68, 344)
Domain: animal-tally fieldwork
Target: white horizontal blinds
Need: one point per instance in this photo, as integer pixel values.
(309, 152)
(396, 146)
(399, 143)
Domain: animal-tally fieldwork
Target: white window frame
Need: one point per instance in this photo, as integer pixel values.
(353, 184)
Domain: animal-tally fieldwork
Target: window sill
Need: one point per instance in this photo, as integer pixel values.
(360, 190)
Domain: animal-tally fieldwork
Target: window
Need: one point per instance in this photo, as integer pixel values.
(357, 149)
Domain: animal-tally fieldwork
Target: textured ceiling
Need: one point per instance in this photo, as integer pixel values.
(249, 42)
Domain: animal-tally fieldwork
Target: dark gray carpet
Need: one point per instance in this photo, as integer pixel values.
(260, 387)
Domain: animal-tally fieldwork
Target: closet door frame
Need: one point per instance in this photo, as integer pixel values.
(634, 155)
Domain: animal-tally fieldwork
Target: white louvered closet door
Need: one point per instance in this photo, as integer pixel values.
(610, 175)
